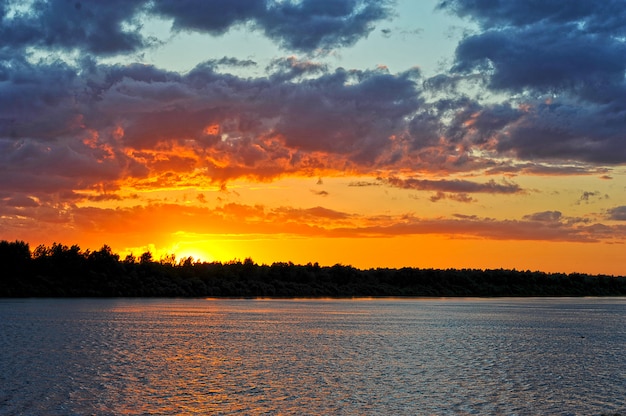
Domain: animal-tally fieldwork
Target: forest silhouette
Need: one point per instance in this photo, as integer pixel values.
(67, 271)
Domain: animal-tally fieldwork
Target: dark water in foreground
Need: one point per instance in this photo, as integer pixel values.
(345, 357)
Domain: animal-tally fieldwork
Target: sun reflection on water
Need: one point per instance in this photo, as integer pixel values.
(380, 356)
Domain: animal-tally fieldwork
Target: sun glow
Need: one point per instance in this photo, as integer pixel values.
(198, 251)
(197, 256)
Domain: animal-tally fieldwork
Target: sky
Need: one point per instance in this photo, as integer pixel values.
(372, 133)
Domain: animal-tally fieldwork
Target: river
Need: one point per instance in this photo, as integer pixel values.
(313, 356)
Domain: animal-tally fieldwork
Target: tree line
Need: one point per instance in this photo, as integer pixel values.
(67, 271)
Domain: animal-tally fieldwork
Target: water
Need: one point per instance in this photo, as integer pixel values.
(343, 357)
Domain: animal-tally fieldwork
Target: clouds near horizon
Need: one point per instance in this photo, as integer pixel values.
(533, 90)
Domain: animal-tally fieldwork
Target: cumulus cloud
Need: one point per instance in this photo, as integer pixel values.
(111, 121)
(76, 125)
(113, 27)
(565, 63)
(93, 26)
(537, 89)
(303, 25)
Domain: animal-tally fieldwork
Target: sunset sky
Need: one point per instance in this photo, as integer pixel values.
(446, 134)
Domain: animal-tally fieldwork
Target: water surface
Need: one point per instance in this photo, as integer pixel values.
(345, 357)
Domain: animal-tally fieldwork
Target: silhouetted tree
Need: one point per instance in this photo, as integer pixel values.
(59, 270)
(146, 257)
(15, 260)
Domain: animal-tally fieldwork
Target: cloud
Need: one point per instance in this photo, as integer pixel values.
(607, 16)
(617, 213)
(20, 201)
(403, 32)
(589, 196)
(364, 183)
(61, 167)
(460, 197)
(215, 17)
(319, 193)
(109, 122)
(157, 222)
(103, 28)
(312, 24)
(552, 229)
(233, 62)
(563, 61)
(545, 216)
(303, 25)
(347, 112)
(114, 27)
(67, 127)
(455, 185)
(541, 169)
(540, 57)
(36, 99)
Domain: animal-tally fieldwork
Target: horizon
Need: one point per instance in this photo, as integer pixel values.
(447, 134)
(59, 250)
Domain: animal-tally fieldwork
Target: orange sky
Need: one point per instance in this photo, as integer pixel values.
(394, 134)
(347, 220)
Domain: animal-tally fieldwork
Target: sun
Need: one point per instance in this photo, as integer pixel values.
(197, 255)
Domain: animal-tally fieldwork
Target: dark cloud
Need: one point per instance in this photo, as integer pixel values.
(533, 168)
(461, 197)
(234, 62)
(291, 68)
(565, 63)
(551, 229)
(478, 125)
(36, 99)
(589, 196)
(113, 27)
(67, 125)
(215, 17)
(364, 183)
(617, 213)
(567, 131)
(542, 57)
(93, 26)
(458, 186)
(319, 193)
(593, 16)
(310, 24)
(303, 25)
(105, 122)
(104, 197)
(347, 112)
(402, 32)
(20, 201)
(545, 216)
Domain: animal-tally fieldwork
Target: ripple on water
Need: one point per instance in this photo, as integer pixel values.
(348, 357)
